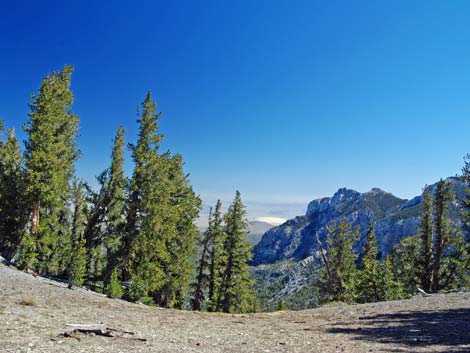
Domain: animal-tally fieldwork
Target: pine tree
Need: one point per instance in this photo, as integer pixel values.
(235, 291)
(392, 287)
(442, 229)
(77, 267)
(12, 215)
(368, 287)
(209, 270)
(202, 276)
(404, 259)
(115, 205)
(182, 210)
(106, 222)
(217, 257)
(454, 270)
(146, 159)
(281, 305)
(339, 273)
(114, 288)
(426, 235)
(50, 153)
(465, 212)
(160, 228)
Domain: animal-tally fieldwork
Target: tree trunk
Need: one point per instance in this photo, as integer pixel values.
(35, 217)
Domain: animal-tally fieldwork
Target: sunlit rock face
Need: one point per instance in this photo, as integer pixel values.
(394, 219)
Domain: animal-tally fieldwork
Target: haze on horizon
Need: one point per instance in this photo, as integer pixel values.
(284, 101)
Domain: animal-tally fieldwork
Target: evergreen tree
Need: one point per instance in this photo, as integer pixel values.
(146, 159)
(454, 270)
(77, 269)
(369, 287)
(235, 291)
(115, 205)
(50, 153)
(209, 270)
(202, 276)
(179, 220)
(106, 221)
(281, 305)
(339, 273)
(12, 215)
(465, 212)
(160, 228)
(216, 256)
(426, 235)
(442, 229)
(404, 259)
(391, 286)
(114, 288)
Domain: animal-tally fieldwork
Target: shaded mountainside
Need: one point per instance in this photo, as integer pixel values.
(394, 219)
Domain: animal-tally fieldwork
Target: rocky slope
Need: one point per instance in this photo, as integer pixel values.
(394, 218)
(34, 313)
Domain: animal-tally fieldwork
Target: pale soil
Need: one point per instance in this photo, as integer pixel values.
(440, 323)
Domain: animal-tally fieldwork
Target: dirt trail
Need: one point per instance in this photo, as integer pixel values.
(34, 312)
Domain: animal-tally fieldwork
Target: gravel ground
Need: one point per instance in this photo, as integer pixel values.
(34, 313)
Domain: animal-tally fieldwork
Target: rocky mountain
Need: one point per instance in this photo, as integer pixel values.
(394, 218)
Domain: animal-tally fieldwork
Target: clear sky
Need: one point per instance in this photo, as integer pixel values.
(284, 100)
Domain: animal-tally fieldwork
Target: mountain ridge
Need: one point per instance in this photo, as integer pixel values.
(394, 218)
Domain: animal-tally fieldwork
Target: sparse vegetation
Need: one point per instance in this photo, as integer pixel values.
(27, 300)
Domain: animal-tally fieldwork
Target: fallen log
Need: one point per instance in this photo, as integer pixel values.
(100, 330)
(423, 293)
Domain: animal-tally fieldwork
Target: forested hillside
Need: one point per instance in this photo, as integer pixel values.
(135, 236)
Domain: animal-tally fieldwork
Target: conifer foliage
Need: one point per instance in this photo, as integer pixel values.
(339, 273)
(134, 238)
(78, 258)
(223, 281)
(105, 224)
(368, 287)
(160, 230)
(235, 292)
(437, 258)
(50, 153)
(12, 215)
(426, 235)
(216, 256)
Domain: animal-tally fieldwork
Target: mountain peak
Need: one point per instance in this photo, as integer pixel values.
(376, 191)
(344, 194)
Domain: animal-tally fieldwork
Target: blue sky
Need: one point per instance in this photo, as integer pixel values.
(284, 100)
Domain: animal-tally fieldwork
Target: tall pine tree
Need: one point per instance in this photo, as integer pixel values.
(202, 277)
(106, 221)
(77, 267)
(160, 230)
(12, 215)
(465, 212)
(216, 257)
(339, 273)
(442, 228)
(50, 154)
(369, 287)
(235, 291)
(212, 256)
(426, 244)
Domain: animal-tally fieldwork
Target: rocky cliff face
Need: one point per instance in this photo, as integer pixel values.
(394, 218)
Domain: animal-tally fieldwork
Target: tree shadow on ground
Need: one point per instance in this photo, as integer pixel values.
(426, 329)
